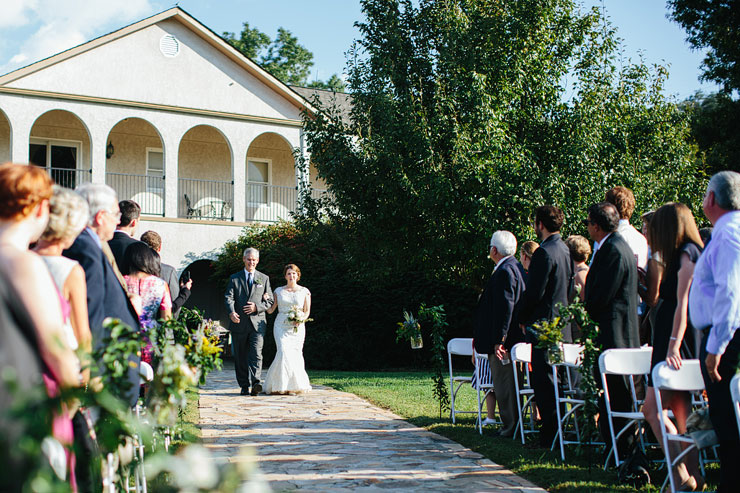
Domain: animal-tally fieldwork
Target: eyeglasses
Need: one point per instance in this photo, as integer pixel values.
(586, 222)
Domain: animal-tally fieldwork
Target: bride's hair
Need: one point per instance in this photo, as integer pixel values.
(293, 267)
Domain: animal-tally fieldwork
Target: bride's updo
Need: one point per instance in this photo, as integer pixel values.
(292, 267)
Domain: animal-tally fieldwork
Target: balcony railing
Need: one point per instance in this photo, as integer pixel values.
(147, 191)
(206, 199)
(70, 178)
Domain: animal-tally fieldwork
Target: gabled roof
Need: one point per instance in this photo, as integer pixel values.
(328, 98)
(177, 14)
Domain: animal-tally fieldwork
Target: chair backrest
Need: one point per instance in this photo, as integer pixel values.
(626, 361)
(522, 352)
(735, 389)
(187, 202)
(146, 372)
(462, 346)
(687, 378)
(572, 354)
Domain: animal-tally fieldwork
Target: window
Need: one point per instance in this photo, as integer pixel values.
(154, 170)
(59, 157)
(258, 181)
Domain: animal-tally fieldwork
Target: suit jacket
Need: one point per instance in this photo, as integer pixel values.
(611, 294)
(105, 296)
(118, 245)
(179, 296)
(550, 275)
(238, 294)
(496, 320)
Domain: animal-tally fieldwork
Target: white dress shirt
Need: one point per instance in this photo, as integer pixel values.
(500, 262)
(714, 298)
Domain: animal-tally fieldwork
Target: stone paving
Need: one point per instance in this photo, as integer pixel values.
(327, 440)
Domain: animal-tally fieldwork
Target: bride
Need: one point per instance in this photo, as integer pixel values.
(287, 372)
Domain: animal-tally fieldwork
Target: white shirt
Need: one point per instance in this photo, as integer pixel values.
(247, 274)
(714, 298)
(500, 262)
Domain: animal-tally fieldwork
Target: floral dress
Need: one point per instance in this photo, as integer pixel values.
(155, 299)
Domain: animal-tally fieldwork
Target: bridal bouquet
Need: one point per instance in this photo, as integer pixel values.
(297, 317)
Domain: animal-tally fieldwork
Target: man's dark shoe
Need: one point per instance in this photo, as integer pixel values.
(245, 391)
(256, 389)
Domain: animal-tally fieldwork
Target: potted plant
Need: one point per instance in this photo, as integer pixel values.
(410, 329)
(550, 338)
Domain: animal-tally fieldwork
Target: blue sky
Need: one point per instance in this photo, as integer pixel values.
(34, 29)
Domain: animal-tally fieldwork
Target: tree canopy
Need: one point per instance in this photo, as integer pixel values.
(713, 24)
(284, 57)
(467, 114)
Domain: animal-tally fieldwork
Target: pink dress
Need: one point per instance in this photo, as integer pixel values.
(155, 299)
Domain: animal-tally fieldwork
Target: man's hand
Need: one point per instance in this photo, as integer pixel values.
(234, 317)
(250, 308)
(188, 284)
(500, 351)
(712, 362)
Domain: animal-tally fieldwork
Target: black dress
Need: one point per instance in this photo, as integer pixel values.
(667, 309)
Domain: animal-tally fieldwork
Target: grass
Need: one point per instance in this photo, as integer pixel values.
(187, 430)
(409, 394)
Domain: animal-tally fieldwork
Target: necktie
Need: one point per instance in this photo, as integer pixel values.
(249, 280)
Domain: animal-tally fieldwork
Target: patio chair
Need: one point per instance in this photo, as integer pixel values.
(688, 378)
(458, 346)
(191, 212)
(522, 353)
(735, 392)
(482, 388)
(568, 399)
(627, 362)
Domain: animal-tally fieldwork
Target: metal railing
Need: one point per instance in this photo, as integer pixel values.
(270, 203)
(147, 191)
(206, 199)
(70, 178)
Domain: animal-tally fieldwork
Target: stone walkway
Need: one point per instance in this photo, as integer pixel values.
(328, 440)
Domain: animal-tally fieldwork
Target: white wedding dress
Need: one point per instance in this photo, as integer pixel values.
(287, 372)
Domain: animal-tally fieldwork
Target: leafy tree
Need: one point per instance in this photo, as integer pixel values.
(714, 25)
(467, 114)
(715, 125)
(284, 57)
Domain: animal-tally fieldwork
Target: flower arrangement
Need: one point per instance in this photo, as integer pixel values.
(410, 329)
(296, 316)
(550, 337)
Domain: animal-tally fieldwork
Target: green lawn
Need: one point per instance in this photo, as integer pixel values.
(409, 394)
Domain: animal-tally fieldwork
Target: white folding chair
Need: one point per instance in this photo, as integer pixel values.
(522, 353)
(735, 391)
(568, 400)
(689, 379)
(627, 362)
(483, 385)
(459, 346)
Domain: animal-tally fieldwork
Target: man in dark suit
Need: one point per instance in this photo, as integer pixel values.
(123, 236)
(550, 276)
(246, 302)
(496, 326)
(611, 301)
(179, 291)
(106, 296)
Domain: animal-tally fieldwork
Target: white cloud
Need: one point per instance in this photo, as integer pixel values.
(53, 26)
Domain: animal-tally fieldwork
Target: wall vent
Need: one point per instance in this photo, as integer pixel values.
(169, 45)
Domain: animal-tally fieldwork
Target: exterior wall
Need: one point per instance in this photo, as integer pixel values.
(204, 154)
(273, 147)
(314, 179)
(4, 139)
(130, 139)
(133, 68)
(64, 126)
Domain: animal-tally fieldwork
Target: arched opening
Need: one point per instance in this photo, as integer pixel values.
(271, 193)
(60, 142)
(206, 295)
(135, 164)
(4, 138)
(205, 181)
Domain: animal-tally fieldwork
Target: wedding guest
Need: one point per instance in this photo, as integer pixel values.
(287, 373)
(547, 286)
(525, 255)
(246, 305)
(580, 250)
(106, 291)
(150, 291)
(706, 235)
(496, 328)
(649, 285)
(673, 234)
(68, 213)
(25, 191)
(611, 301)
(714, 307)
(123, 236)
(623, 199)
(179, 291)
